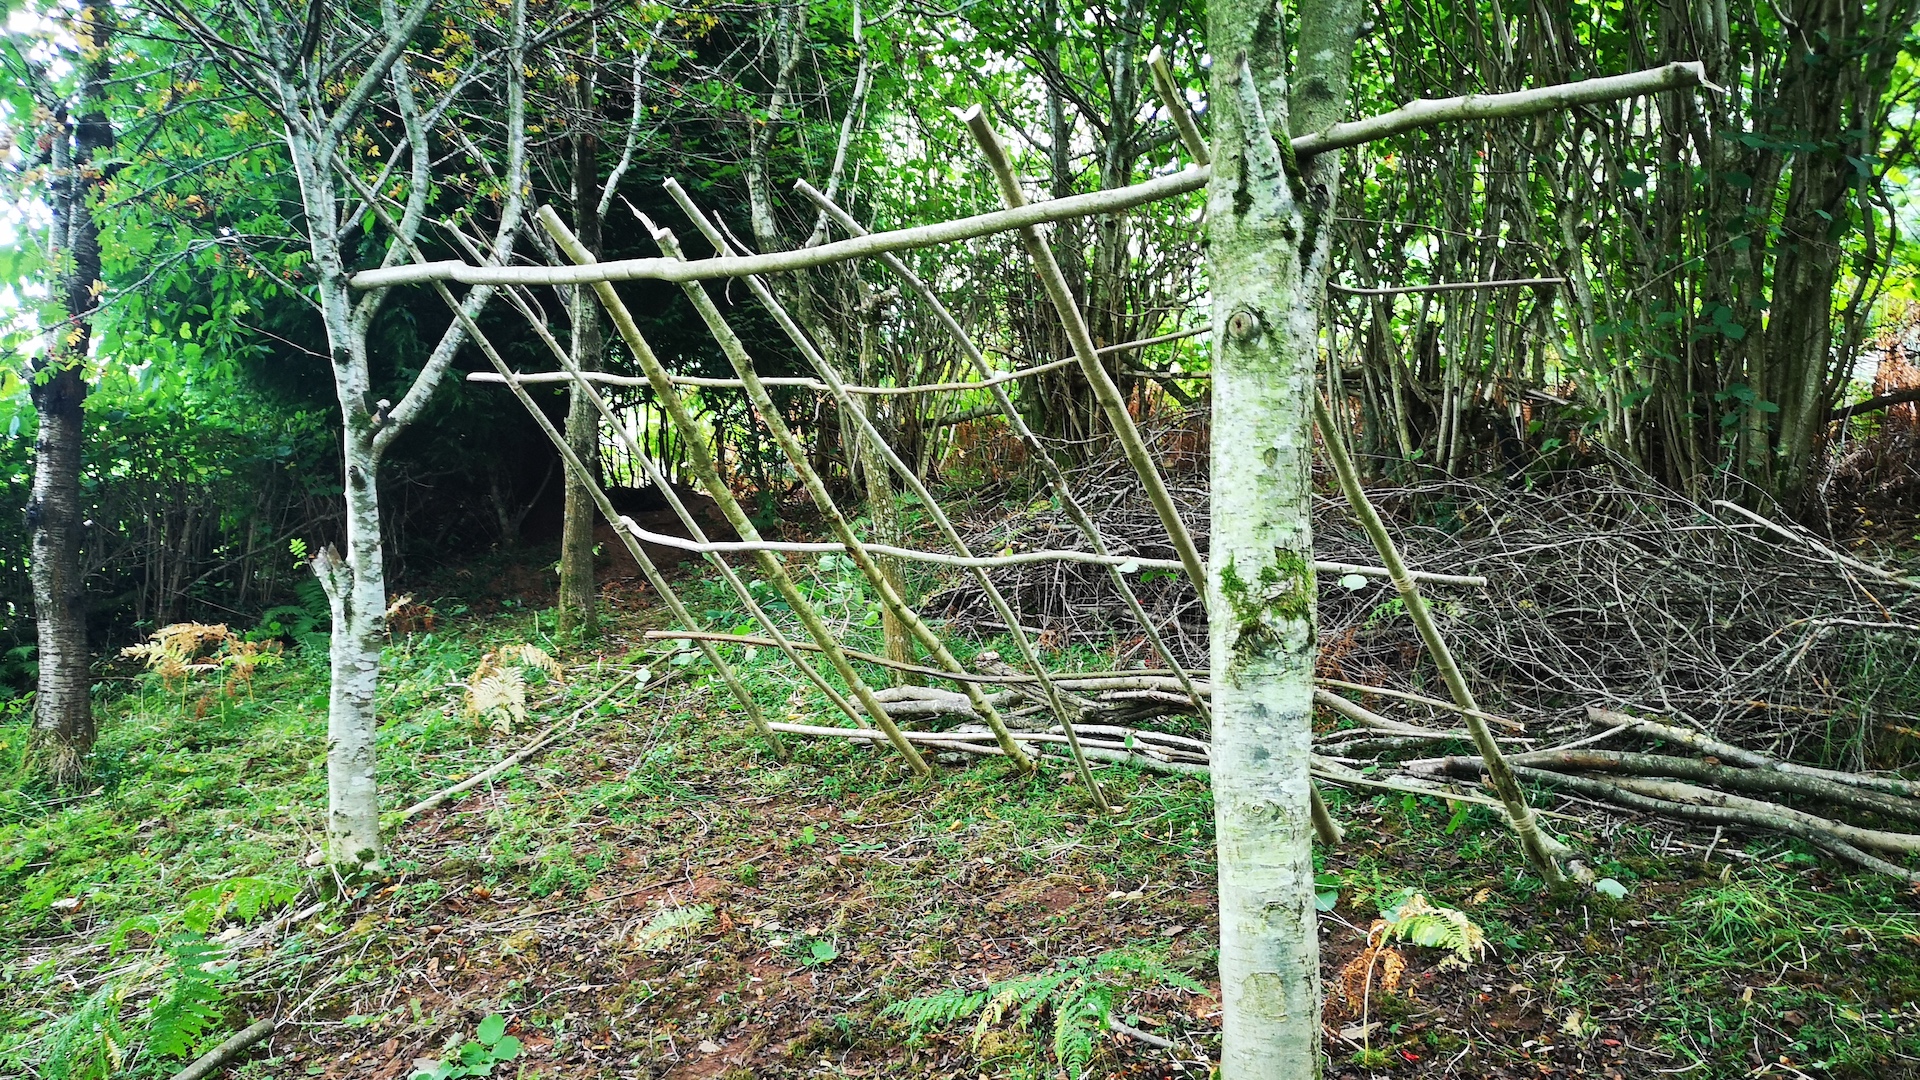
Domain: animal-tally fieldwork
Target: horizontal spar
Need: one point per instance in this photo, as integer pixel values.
(546, 377)
(1410, 117)
(858, 247)
(1124, 563)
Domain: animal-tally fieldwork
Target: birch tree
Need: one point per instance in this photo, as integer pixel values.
(1270, 214)
(1268, 231)
(76, 138)
(350, 99)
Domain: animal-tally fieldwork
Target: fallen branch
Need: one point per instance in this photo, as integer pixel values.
(963, 742)
(1445, 286)
(1752, 759)
(206, 1063)
(1802, 538)
(1125, 563)
(1765, 781)
(537, 744)
(1421, 699)
(1369, 719)
(1874, 404)
(1721, 811)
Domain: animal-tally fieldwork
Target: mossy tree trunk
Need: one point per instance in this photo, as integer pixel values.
(1267, 238)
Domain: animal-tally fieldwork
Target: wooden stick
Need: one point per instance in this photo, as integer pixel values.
(704, 467)
(797, 459)
(877, 444)
(1447, 286)
(1370, 719)
(679, 507)
(1423, 114)
(653, 575)
(1176, 104)
(1541, 850)
(1419, 699)
(1752, 759)
(1723, 814)
(205, 1064)
(1874, 404)
(1075, 322)
(1848, 561)
(1041, 455)
(1124, 563)
(537, 378)
(1733, 778)
(533, 746)
(946, 741)
(1416, 115)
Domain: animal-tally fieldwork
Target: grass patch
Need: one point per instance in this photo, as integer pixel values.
(561, 898)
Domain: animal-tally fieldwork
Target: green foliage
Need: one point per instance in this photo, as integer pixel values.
(94, 1042)
(191, 1005)
(672, 926)
(1080, 993)
(90, 1042)
(241, 900)
(1416, 920)
(490, 1046)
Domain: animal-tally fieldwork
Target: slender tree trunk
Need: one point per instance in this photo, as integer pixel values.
(576, 608)
(886, 519)
(63, 715)
(356, 588)
(1267, 232)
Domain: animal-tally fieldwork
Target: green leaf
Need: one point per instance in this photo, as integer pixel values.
(506, 1049)
(1607, 886)
(492, 1028)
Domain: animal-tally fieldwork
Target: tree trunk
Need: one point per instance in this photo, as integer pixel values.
(63, 715)
(1266, 235)
(576, 611)
(357, 595)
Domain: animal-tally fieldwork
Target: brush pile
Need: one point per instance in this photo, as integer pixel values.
(1610, 599)
(1603, 591)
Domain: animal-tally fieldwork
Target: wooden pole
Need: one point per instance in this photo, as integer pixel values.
(701, 457)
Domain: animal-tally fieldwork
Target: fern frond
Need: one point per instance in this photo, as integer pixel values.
(1073, 1035)
(1081, 992)
(1034, 991)
(1423, 923)
(89, 1042)
(192, 1004)
(1147, 968)
(936, 1010)
(994, 1012)
(242, 899)
(672, 926)
(535, 657)
(499, 695)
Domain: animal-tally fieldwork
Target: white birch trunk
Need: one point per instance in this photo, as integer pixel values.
(1266, 260)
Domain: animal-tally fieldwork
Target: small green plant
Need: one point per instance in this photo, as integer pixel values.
(240, 900)
(672, 926)
(489, 1046)
(1416, 920)
(193, 1001)
(93, 1042)
(1081, 993)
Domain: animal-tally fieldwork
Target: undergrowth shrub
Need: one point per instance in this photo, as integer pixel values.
(1081, 994)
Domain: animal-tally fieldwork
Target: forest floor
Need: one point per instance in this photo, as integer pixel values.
(654, 895)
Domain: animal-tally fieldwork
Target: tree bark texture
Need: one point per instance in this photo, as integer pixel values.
(575, 607)
(63, 715)
(1268, 227)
